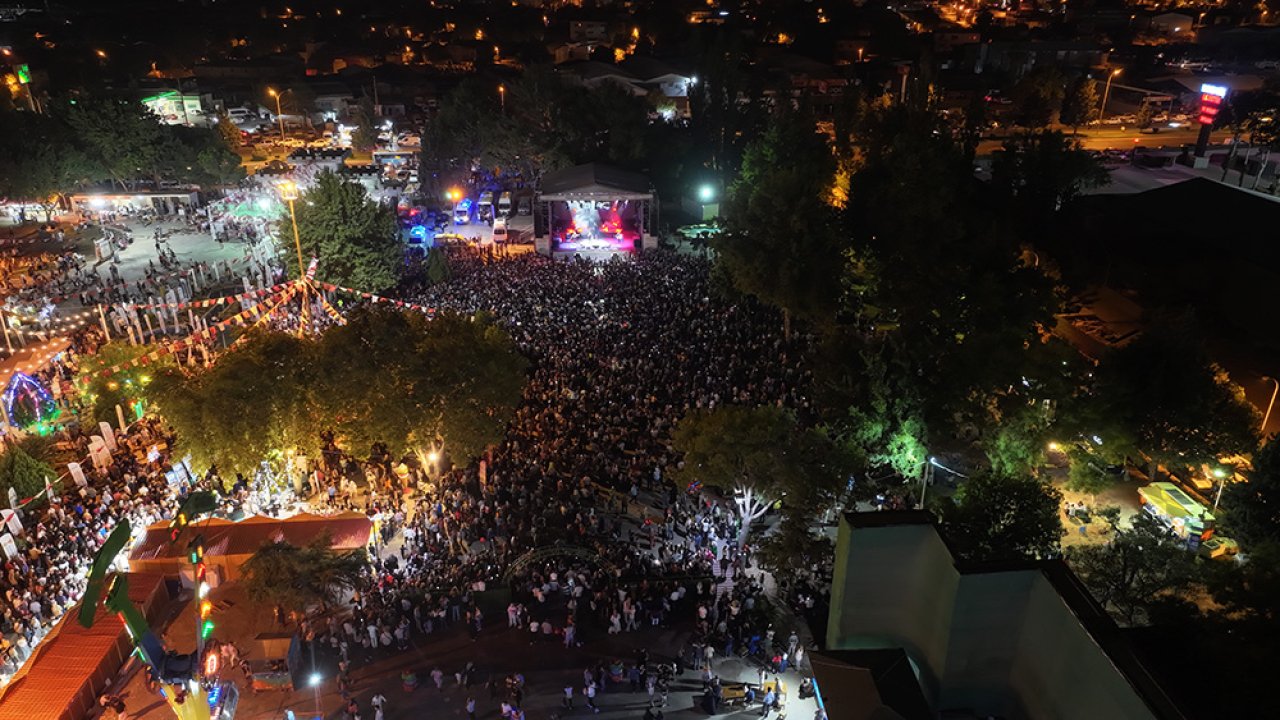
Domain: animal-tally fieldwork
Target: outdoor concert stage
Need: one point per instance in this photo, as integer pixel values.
(595, 211)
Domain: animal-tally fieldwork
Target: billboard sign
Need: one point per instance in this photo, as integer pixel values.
(1211, 97)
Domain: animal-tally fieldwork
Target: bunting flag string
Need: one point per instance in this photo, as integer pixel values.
(211, 302)
(377, 298)
(331, 311)
(198, 337)
(266, 313)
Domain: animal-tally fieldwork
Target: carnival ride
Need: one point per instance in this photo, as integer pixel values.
(179, 675)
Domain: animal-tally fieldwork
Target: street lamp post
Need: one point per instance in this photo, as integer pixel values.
(279, 114)
(289, 193)
(1102, 110)
(502, 98)
(1267, 415)
(315, 686)
(1221, 476)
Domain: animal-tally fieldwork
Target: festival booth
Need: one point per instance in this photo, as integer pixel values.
(74, 664)
(176, 202)
(244, 216)
(595, 209)
(228, 545)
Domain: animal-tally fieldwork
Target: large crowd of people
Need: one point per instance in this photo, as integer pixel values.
(621, 351)
(65, 531)
(576, 509)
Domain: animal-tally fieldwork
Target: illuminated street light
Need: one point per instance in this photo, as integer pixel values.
(502, 97)
(289, 193)
(315, 680)
(1221, 476)
(279, 114)
(706, 193)
(1102, 111)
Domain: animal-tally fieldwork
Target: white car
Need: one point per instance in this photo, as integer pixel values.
(499, 231)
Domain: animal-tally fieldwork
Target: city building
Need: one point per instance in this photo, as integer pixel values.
(1021, 640)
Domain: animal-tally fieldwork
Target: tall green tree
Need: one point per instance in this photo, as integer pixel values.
(387, 376)
(365, 137)
(227, 131)
(40, 159)
(120, 136)
(355, 238)
(1038, 173)
(1141, 569)
(453, 379)
(254, 403)
(784, 243)
(296, 578)
(25, 474)
(758, 455)
(438, 269)
(997, 518)
(99, 395)
(1080, 105)
(1038, 96)
(1251, 509)
(1179, 407)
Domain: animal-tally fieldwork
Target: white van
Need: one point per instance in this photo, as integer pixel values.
(504, 204)
(499, 230)
(485, 206)
(462, 212)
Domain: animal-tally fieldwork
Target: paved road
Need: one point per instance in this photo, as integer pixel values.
(1113, 138)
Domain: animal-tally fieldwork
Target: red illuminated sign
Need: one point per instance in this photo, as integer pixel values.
(1211, 97)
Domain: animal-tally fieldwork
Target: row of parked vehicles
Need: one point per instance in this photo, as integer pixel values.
(487, 210)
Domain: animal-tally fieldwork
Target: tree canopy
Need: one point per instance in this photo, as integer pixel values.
(759, 455)
(99, 395)
(1141, 568)
(1251, 509)
(296, 578)
(454, 379)
(25, 474)
(386, 376)
(783, 244)
(545, 123)
(253, 403)
(100, 138)
(1176, 404)
(355, 238)
(1080, 106)
(995, 518)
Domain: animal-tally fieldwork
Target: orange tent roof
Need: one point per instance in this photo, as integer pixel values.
(223, 537)
(71, 665)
